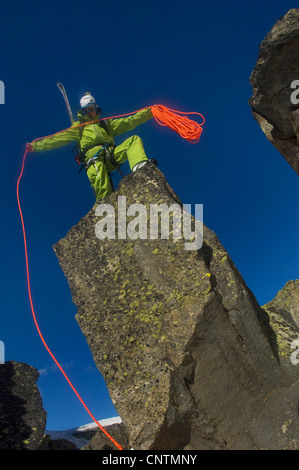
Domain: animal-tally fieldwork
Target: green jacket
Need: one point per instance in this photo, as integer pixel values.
(93, 135)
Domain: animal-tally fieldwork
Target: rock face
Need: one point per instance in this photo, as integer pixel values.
(283, 313)
(101, 442)
(190, 359)
(58, 444)
(286, 303)
(276, 69)
(88, 437)
(22, 417)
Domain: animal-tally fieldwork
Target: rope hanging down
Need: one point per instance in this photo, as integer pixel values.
(35, 320)
(186, 128)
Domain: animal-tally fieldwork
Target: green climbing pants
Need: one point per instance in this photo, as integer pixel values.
(98, 173)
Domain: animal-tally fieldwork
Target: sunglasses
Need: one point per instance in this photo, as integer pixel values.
(90, 109)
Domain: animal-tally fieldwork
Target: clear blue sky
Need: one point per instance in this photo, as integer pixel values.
(191, 56)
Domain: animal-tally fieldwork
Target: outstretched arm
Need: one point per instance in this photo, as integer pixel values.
(56, 140)
(119, 126)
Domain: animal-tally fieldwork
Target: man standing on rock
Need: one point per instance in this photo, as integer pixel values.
(95, 139)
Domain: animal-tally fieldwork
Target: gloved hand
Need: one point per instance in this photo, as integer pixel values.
(29, 147)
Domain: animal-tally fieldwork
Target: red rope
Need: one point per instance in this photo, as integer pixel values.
(186, 128)
(34, 316)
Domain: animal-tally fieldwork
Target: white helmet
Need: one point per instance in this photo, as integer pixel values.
(87, 100)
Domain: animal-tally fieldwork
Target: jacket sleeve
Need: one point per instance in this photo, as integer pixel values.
(57, 140)
(119, 126)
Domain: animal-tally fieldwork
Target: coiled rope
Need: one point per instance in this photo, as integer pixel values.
(185, 127)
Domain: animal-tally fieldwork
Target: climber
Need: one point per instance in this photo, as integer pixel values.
(97, 150)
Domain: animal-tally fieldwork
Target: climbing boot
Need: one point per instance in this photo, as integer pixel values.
(142, 164)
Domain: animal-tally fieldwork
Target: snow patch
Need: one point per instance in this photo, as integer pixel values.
(82, 441)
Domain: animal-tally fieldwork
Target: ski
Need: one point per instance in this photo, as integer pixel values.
(63, 92)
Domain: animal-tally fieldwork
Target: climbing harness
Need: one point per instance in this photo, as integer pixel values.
(80, 155)
(188, 129)
(106, 153)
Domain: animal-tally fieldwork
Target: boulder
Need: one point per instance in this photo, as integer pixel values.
(22, 416)
(190, 359)
(273, 82)
(283, 313)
